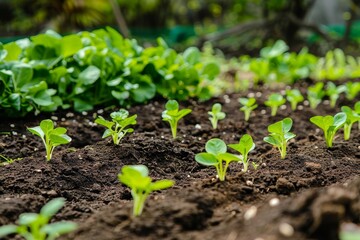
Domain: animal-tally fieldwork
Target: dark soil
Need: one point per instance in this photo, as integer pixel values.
(306, 196)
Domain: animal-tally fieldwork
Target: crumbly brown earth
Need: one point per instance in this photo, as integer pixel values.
(306, 196)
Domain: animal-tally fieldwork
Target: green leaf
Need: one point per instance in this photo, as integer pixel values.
(108, 133)
(46, 125)
(100, 120)
(59, 131)
(228, 157)
(245, 145)
(192, 55)
(272, 140)
(339, 119)
(7, 230)
(37, 131)
(141, 169)
(183, 112)
(161, 184)
(211, 69)
(215, 146)
(89, 75)
(70, 45)
(81, 105)
(28, 218)
(59, 228)
(59, 139)
(13, 51)
(172, 105)
(52, 207)
(206, 159)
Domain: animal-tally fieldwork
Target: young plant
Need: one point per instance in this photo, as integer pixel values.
(274, 101)
(119, 126)
(330, 125)
(216, 114)
(333, 92)
(36, 226)
(315, 94)
(51, 137)
(173, 115)
(280, 134)
(7, 160)
(249, 104)
(352, 90)
(245, 145)
(351, 118)
(136, 177)
(216, 154)
(294, 96)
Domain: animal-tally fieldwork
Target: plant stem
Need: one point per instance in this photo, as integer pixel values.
(247, 115)
(139, 202)
(347, 131)
(173, 126)
(274, 110)
(214, 123)
(283, 150)
(293, 105)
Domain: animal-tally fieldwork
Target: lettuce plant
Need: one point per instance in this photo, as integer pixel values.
(136, 177)
(249, 104)
(351, 118)
(352, 90)
(274, 101)
(51, 137)
(216, 114)
(333, 92)
(330, 125)
(36, 226)
(315, 94)
(172, 114)
(280, 134)
(245, 145)
(216, 155)
(119, 126)
(294, 96)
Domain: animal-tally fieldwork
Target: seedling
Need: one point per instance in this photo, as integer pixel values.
(51, 137)
(255, 165)
(7, 160)
(294, 96)
(351, 118)
(119, 126)
(136, 177)
(333, 92)
(330, 125)
(280, 134)
(249, 104)
(245, 145)
(216, 114)
(36, 226)
(173, 115)
(352, 90)
(315, 94)
(274, 101)
(216, 154)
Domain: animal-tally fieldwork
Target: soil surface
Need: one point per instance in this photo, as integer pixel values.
(308, 195)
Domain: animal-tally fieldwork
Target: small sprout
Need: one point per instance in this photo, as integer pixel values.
(351, 118)
(216, 153)
(173, 115)
(352, 90)
(119, 126)
(245, 145)
(280, 134)
(295, 97)
(249, 104)
(7, 160)
(330, 125)
(51, 137)
(315, 94)
(255, 165)
(136, 177)
(37, 226)
(333, 92)
(357, 110)
(274, 101)
(216, 114)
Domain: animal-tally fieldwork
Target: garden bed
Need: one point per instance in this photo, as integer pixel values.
(317, 188)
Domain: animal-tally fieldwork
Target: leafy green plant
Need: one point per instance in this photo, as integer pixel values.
(274, 101)
(245, 145)
(249, 104)
(36, 226)
(136, 177)
(351, 118)
(51, 137)
(216, 114)
(294, 96)
(280, 134)
(172, 114)
(333, 92)
(315, 94)
(330, 125)
(118, 127)
(216, 155)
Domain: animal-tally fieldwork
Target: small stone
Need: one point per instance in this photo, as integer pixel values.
(69, 114)
(84, 113)
(258, 94)
(251, 95)
(197, 126)
(300, 107)
(283, 107)
(250, 213)
(54, 118)
(263, 112)
(274, 202)
(38, 170)
(286, 229)
(313, 167)
(52, 193)
(12, 125)
(100, 111)
(249, 183)
(306, 103)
